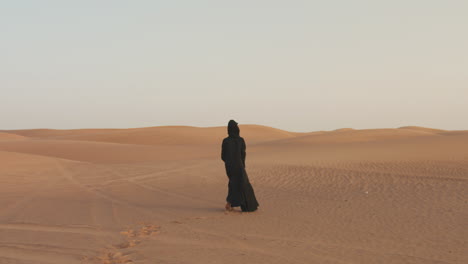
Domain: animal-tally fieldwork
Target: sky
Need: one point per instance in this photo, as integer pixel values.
(295, 65)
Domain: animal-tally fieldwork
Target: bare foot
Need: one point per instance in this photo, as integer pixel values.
(228, 207)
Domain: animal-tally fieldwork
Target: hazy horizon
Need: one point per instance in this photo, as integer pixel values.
(333, 129)
(295, 65)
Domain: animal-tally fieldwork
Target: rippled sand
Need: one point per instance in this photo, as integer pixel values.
(156, 195)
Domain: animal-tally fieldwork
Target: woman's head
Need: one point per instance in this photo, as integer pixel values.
(233, 129)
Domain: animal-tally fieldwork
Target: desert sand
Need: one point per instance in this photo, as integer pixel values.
(157, 195)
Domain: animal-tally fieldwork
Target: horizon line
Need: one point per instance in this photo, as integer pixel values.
(191, 126)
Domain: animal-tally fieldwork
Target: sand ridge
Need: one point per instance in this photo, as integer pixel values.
(163, 135)
(10, 136)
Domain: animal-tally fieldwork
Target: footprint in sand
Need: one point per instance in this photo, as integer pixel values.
(109, 258)
(132, 238)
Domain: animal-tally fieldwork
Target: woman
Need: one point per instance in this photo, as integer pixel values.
(240, 191)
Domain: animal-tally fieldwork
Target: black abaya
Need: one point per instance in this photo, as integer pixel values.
(240, 191)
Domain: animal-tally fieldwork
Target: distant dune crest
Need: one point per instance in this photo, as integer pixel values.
(164, 135)
(423, 129)
(187, 135)
(10, 136)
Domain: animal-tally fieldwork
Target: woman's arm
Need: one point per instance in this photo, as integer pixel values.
(243, 154)
(223, 150)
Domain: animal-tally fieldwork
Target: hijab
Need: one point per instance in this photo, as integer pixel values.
(233, 129)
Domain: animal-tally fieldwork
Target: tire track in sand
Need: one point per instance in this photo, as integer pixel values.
(56, 229)
(88, 188)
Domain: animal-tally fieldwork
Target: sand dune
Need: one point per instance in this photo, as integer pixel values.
(423, 129)
(352, 135)
(10, 136)
(156, 195)
(165, 135)
(53, 133)
(102, 152)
